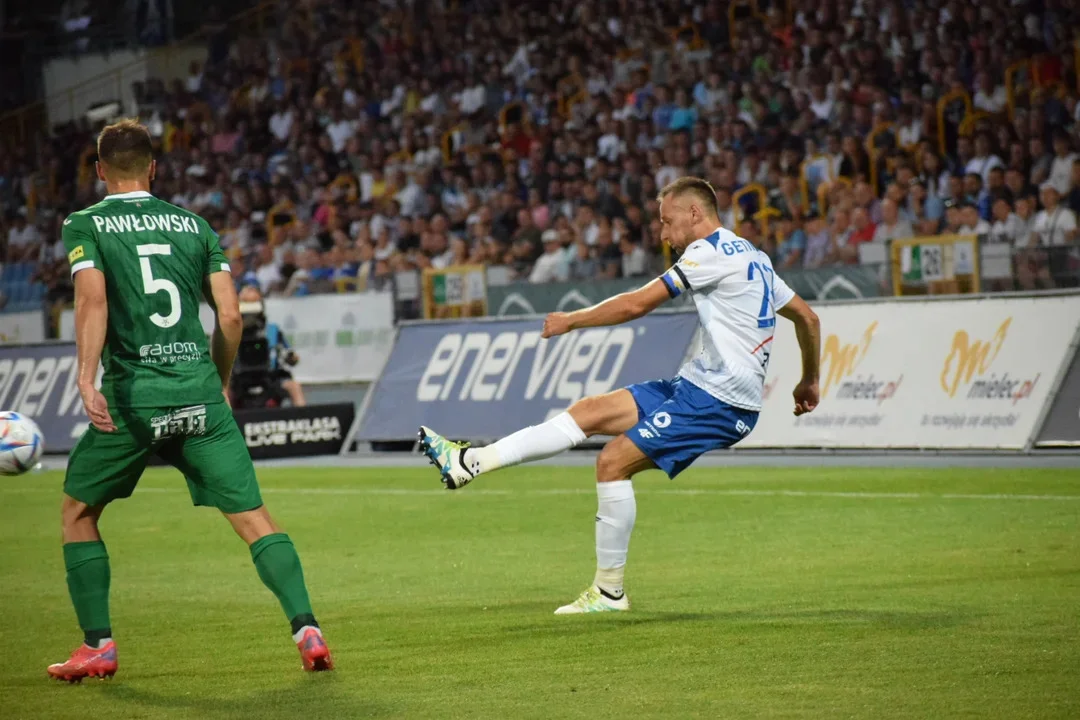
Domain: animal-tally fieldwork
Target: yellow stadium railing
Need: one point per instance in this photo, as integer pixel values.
(570, 91)
(872, 152)
(507, 108)
(967, 127)
(1076, 61)
(942, 105)
(22, 124)
(447, 142)
(696, 43)
(733, 6)
(824, 189)
(804, 180)
(751, 189)
(1010, 85)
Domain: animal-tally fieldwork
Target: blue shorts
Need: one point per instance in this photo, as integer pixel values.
(678, 421)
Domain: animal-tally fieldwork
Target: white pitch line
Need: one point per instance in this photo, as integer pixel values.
(854, 495)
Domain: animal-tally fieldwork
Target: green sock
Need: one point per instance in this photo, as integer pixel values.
(279, 568)
(88, 578)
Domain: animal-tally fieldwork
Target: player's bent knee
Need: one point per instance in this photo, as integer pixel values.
(251, 525)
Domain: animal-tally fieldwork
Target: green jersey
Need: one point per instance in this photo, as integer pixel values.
(155, 257)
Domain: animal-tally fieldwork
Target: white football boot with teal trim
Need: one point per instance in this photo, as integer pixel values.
(446, 455)
(594, 601)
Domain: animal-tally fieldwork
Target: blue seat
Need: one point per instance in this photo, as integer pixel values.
(37, 292)
(9, 273)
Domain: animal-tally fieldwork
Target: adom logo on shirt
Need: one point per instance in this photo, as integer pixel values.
(968, 362)
(840, 360)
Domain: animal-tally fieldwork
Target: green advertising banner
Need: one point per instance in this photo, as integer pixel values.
(522, 298)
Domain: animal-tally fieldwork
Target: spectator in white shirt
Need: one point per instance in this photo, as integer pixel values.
(549, 266)
(471, 99)
(820, 103)
(23, 239)
(1055, 224)
(1008, 227)
(892, 226)
(972, 223)
(267, 272)
(985, 160)
(281, 122)
(1061, 167)
(988, 97)
(610, 146)
(339, 130)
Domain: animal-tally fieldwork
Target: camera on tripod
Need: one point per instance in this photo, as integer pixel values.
(255, 382)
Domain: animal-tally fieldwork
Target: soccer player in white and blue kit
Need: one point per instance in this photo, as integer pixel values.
(667, 424)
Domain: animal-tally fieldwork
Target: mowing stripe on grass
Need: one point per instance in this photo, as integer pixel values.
(855, 495)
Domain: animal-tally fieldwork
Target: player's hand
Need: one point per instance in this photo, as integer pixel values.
(556, 323)
(97, 408)
(807, 396)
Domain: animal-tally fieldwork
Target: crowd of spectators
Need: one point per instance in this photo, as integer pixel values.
(349, 142)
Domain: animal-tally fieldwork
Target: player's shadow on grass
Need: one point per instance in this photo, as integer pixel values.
(810, 617)
(312, 696)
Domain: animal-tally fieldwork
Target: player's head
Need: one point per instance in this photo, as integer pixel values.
(125, 153)
(250, 293)
(688, 211)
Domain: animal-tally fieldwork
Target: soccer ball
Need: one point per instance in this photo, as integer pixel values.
(21, 443)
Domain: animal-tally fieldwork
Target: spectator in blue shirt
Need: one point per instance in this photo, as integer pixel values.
(664, 110)
(790, 243)
(685, 114)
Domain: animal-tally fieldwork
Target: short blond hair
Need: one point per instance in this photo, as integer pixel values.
(699, 188)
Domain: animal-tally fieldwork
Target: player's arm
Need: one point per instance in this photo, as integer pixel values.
(613, 311)
(91, 315)
(808, 332)
(91, 323)
(228, 325)
(698, 268)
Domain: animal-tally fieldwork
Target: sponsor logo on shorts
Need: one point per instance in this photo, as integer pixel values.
(169, 353)
(184, 422)
(661, 420)
(742, 428)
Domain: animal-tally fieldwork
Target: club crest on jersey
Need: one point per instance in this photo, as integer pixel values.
(76, 254)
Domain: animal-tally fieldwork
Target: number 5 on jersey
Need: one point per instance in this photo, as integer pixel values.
(153, 285)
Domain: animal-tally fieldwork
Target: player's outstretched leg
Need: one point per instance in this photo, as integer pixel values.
(279, 568)
(88, 576)
(458, 463)
(615, 515)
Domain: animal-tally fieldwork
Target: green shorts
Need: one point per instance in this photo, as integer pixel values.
(203, 442)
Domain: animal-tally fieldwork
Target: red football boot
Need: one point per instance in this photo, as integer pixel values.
(313, 651)
(87, 662)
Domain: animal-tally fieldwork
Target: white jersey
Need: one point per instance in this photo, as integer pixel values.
(737, 294)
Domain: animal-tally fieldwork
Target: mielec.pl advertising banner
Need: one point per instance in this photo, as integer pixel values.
(950, 374)
(483, 379)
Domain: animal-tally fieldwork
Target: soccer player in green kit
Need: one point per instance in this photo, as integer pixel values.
(141, 267)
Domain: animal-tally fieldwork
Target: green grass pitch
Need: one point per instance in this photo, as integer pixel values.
(757, 592)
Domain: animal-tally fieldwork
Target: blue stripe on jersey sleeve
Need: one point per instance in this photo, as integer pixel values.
(673, 291)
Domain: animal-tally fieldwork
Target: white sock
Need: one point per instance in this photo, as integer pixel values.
(299, 634)
(535, 442)
(615, 516)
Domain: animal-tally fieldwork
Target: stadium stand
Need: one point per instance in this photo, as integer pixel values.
(344, 143)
